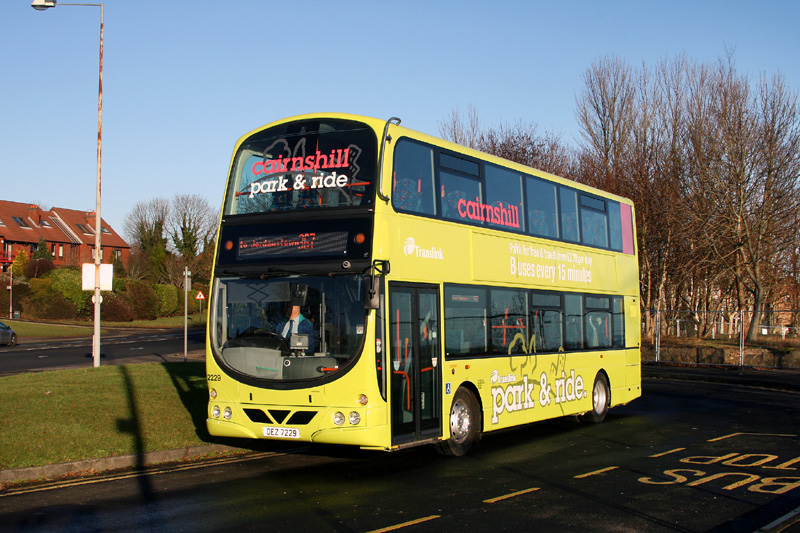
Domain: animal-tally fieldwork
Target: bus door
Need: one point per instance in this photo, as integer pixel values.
(414, 362)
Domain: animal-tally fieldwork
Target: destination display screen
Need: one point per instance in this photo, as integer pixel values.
(293, 244)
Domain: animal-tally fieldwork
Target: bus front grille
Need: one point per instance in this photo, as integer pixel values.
(278, 416)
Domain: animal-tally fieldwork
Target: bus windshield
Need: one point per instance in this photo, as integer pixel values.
(292, 328)
(307, 164)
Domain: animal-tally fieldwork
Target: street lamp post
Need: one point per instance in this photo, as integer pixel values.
(41, 5)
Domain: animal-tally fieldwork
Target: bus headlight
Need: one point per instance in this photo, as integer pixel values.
(338, 418)
(228, 413)
(355, 418)
(215, 411)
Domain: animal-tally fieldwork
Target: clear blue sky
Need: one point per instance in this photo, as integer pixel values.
(183, 79)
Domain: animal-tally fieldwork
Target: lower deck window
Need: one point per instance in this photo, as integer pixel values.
(503, 321)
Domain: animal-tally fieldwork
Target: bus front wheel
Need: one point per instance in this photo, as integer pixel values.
(601, 398)
(465, 424)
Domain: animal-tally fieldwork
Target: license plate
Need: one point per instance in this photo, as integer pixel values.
(282, 433)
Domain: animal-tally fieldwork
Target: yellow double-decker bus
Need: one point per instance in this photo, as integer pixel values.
(379, 287)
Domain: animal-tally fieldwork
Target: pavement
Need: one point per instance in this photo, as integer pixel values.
(768, 378)
(788, 380)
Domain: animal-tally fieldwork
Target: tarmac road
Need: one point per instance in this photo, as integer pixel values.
(116, 346)
(689, 455)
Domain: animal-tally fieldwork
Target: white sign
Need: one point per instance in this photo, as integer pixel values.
(106, 277)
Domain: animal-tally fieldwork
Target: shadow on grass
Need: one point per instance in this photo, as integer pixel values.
(189, 379)
(132, 426)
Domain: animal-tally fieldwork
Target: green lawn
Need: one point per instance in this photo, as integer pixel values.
(25, 329)
(34, 329)
(70, 415)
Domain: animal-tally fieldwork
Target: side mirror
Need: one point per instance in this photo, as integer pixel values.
(372, 290)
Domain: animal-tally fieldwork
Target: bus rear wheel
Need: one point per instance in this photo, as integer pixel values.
(465, 423)
(601, 398)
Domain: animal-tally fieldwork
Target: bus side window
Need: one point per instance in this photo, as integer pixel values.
(542, 208)
(547, 330)
(504, 193)
(598, 329)
(594, 221)
(456, 192)
(465, 321)
(569, 214)
(412, 179)
(573, 309)
(509, 321)
(618, 321)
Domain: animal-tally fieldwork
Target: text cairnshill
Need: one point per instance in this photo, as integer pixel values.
(494, 214)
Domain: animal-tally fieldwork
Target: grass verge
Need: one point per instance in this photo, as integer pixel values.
(72, 415)
(26, 329)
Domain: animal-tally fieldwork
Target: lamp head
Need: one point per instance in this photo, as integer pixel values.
(41, 5)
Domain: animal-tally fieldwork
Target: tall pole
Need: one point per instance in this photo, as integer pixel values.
(187, 276)
(98, 251)
(11, 293)
(41, 5)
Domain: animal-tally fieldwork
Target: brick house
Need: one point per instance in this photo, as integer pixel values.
(69, 235)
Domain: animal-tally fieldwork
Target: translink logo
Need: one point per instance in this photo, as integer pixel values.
(410, 248)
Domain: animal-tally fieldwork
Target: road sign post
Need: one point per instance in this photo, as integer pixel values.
(200, 297)
(187, 282)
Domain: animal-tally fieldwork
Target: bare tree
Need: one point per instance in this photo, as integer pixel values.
(520, 143)
(144, 227)
(191, 224)
(605, 114)
(463, 131)
(742, 193)
(146, 221)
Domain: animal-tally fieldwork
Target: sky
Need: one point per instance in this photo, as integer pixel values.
(184, 79)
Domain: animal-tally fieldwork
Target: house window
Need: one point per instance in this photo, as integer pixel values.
(60, 250)
(85, 229)
(21, 222)
(44, 223)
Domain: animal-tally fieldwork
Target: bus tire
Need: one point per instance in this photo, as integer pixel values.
(465, 424)
(601, 400)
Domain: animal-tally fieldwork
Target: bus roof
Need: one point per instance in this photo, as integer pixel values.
(397, 131)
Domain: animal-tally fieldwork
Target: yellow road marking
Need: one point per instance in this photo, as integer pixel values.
(513, 494)
(752, 434)
(669, 452)
(609, 469)
(406, 524)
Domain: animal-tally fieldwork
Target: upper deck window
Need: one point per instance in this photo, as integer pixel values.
(312, 164)
(413, 188)
(428, 181)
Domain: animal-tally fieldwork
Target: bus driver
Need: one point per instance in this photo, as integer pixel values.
(296, 324)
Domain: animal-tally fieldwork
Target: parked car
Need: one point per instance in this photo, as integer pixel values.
(7, 335)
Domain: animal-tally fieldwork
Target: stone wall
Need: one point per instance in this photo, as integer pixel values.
(728, 355)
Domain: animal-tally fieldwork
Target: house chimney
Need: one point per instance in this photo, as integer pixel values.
(35, 213)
